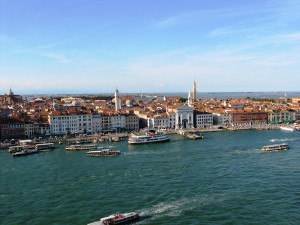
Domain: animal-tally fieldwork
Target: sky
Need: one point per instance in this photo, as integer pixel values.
(156, 46)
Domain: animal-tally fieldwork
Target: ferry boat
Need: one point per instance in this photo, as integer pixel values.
(44, 146)
(277, 147)
(104, 152)
(25, 152)
(149, 137)
(18, 148)
(81, 147)
(117, 219)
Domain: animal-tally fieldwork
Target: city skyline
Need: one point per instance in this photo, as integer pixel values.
(72, 47)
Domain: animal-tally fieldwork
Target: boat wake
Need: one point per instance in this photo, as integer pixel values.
(177, 208)
(249, 151)
(172, 209)
(285, 139)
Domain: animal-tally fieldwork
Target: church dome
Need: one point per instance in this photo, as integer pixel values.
(10, 92)
(55, 105)
(75, 103)
(129, 102)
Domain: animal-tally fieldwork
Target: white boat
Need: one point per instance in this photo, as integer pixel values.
(14, 149)
(117, 219)
(18, 148)
(149, 137)
(25, 152)
(104, 152)
(287, 128)
(277, 147)
(44, 146)
(81, 147)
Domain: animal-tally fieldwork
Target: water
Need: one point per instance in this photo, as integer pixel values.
(223, 179)
(201, 95)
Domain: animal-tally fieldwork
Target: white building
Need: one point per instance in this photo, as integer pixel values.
(172, 119)
(106, 122)
(184, 117)
(281, 116)
(222, 119)
(118, 122)
(159, 121)
(62, 123)
(204, 120)
(132, 122)
(96, 123)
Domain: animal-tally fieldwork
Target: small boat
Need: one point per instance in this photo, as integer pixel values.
(117, 219)
(25, 152)
(277, 147)
(195, 136)
(81, 147)
(104, 152)
(287, 128)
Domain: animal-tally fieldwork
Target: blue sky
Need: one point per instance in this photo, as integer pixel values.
(79, 46)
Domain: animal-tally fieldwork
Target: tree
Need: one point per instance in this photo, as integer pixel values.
(182, 100)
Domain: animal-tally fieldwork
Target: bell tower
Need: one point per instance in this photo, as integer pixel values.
(194, 92)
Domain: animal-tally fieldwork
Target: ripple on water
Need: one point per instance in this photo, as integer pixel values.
(219, 180)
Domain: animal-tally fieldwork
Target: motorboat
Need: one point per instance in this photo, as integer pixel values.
(286, 128)
(194, 136)
(117, 219)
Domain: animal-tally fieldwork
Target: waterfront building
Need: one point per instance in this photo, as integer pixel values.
(96, 123)
(131, 122)
(172, 119)
(72, 123)
(32, 130)
(106, 122)
(277, 116)
(11, 129)
(118, 122)
(203, 120)
(184, 117)
(159, 121)
(223, 118)
(240, 117)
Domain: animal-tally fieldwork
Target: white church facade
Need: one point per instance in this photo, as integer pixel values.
(184, 118)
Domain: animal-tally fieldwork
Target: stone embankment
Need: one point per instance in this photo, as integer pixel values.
(96, 138)
(254, 127)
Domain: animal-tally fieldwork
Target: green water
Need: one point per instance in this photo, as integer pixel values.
(223, 179)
